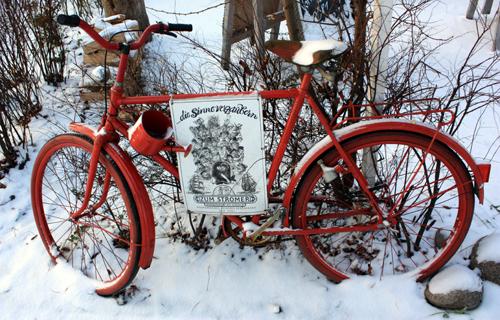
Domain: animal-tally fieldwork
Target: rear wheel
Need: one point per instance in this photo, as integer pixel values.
(428, 205)
(104, 243)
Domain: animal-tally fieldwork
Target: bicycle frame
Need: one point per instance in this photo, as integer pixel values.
(111, 124)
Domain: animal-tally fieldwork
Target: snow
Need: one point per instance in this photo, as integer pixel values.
(112, 29)
(93, 128)
(481, 161)
(489, 249)
(455, 277)
(101, 24)
(357, 126)
(225, 282)
(305, 55)
(242, 95)
(133, 128)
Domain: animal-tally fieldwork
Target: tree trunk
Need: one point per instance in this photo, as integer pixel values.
(359, 49)
(132, 9)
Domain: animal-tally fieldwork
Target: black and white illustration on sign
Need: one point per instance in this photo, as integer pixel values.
(225, 171)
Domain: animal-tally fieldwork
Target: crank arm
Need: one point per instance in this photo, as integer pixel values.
(220, 236)
(253, 236)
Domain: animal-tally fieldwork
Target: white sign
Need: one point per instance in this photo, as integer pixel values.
(225, 172)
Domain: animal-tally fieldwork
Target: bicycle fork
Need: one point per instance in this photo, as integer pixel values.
(94, 160)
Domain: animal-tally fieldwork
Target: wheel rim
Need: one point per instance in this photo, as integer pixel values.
(102, 243)
(408, 245)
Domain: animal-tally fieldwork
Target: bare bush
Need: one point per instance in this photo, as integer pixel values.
(413, 73)
(31, 50)
(44, 39)
(18, 80)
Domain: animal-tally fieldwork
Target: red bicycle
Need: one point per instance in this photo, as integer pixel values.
(389, 194)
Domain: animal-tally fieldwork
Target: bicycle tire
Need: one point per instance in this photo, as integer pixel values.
(439, 200)
(104, 243)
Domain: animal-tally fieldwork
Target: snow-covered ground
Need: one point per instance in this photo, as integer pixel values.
(225, 282)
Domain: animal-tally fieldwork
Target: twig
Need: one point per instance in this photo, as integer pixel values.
(208, 282)
(186, 14)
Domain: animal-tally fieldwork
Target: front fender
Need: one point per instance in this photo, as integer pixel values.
(137, 187)
(479, 171)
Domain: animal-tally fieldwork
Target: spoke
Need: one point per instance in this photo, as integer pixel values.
(383, 259)
(99, 242)
(118, 223)
(418, 193)
(108, 248)
(100, 255)
(62, 235)
(362, 248)
(59, 181)
(434, 196)
(59, 196)
(67, 162)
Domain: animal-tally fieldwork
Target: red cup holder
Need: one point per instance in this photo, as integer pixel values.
(150, 132)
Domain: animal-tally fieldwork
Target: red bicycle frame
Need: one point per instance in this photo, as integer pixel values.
(111, 124)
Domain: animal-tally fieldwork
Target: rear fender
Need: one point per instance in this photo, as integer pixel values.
(480, 171)
(137, 187)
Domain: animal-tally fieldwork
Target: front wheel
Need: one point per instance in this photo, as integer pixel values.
(104, 243)
(427, 200)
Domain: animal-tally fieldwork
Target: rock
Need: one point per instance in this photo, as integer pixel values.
(440, 238)
(456, 287)
(275, 308)
(486, 257)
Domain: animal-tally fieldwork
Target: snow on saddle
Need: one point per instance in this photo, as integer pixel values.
(306, 53)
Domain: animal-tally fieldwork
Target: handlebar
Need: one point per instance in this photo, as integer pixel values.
(75, 21)
(72, 21)
(180, 27)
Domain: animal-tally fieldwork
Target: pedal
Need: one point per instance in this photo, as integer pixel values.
(251, 238)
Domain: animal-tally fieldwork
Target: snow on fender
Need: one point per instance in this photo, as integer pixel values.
(366, 127)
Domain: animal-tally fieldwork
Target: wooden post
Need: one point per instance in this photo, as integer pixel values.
(471, 9)
(258, 27)
(275, 33)
(487, 6)
(382, 23)
(249, 19)
(294, 26)
(227, 33)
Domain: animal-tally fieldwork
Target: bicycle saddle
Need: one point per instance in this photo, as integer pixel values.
(306, 53)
